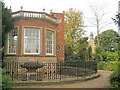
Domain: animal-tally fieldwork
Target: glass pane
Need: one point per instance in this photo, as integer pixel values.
(12, 41)
(32, 40)
(49, 40)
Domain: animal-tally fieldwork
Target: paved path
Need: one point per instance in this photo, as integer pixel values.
(100, 82)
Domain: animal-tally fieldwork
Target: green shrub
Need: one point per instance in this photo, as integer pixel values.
(110, 66)
(112, 56)
(114, 79)
(5, 80)
(102, 65)
(104, 55)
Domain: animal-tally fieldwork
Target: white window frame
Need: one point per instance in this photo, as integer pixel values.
(52, 42)
(38, 42)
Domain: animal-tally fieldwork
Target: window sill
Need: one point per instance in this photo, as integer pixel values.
(50, 55)
(12, 54)
(32, 55)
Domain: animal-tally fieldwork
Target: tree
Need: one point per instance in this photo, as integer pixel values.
(117, 19)
(98, 54)
(68, 53)
(73, 27)
(0, 27)
(81, 48)
(89, 53)
(80, 52)
(108, 40)
(7, 22)
(98, 13)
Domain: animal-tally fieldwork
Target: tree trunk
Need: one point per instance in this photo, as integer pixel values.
(98, 33)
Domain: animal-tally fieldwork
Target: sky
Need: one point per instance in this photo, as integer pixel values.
(111, 7)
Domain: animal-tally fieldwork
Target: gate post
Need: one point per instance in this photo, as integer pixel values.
(77, 66)
(60, 70)
(96, 67)
(12, 70)
(85, 67)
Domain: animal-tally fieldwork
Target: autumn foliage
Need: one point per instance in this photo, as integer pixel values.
(73, 28)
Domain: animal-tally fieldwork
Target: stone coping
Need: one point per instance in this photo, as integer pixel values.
(54, 82)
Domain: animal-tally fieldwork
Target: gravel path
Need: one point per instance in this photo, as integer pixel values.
(100, 82)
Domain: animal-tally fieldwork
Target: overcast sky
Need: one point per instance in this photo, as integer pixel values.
(63, 5)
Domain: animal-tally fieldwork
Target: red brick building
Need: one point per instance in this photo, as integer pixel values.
(36, 36)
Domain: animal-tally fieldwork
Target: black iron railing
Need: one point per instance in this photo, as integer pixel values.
(51, 71)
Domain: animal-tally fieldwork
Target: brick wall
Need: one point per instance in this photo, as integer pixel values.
(60, 34)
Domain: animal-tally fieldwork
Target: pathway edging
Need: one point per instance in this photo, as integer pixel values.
(89, 82)
(42, 83)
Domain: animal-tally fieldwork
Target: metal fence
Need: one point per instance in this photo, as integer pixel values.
(50, 71)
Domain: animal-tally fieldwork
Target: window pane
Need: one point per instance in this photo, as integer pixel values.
(32, 39)
(49, 42)
(12, 41)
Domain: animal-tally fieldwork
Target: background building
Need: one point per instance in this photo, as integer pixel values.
(91, 43)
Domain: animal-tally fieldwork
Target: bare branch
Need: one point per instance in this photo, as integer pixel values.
(99, 13)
